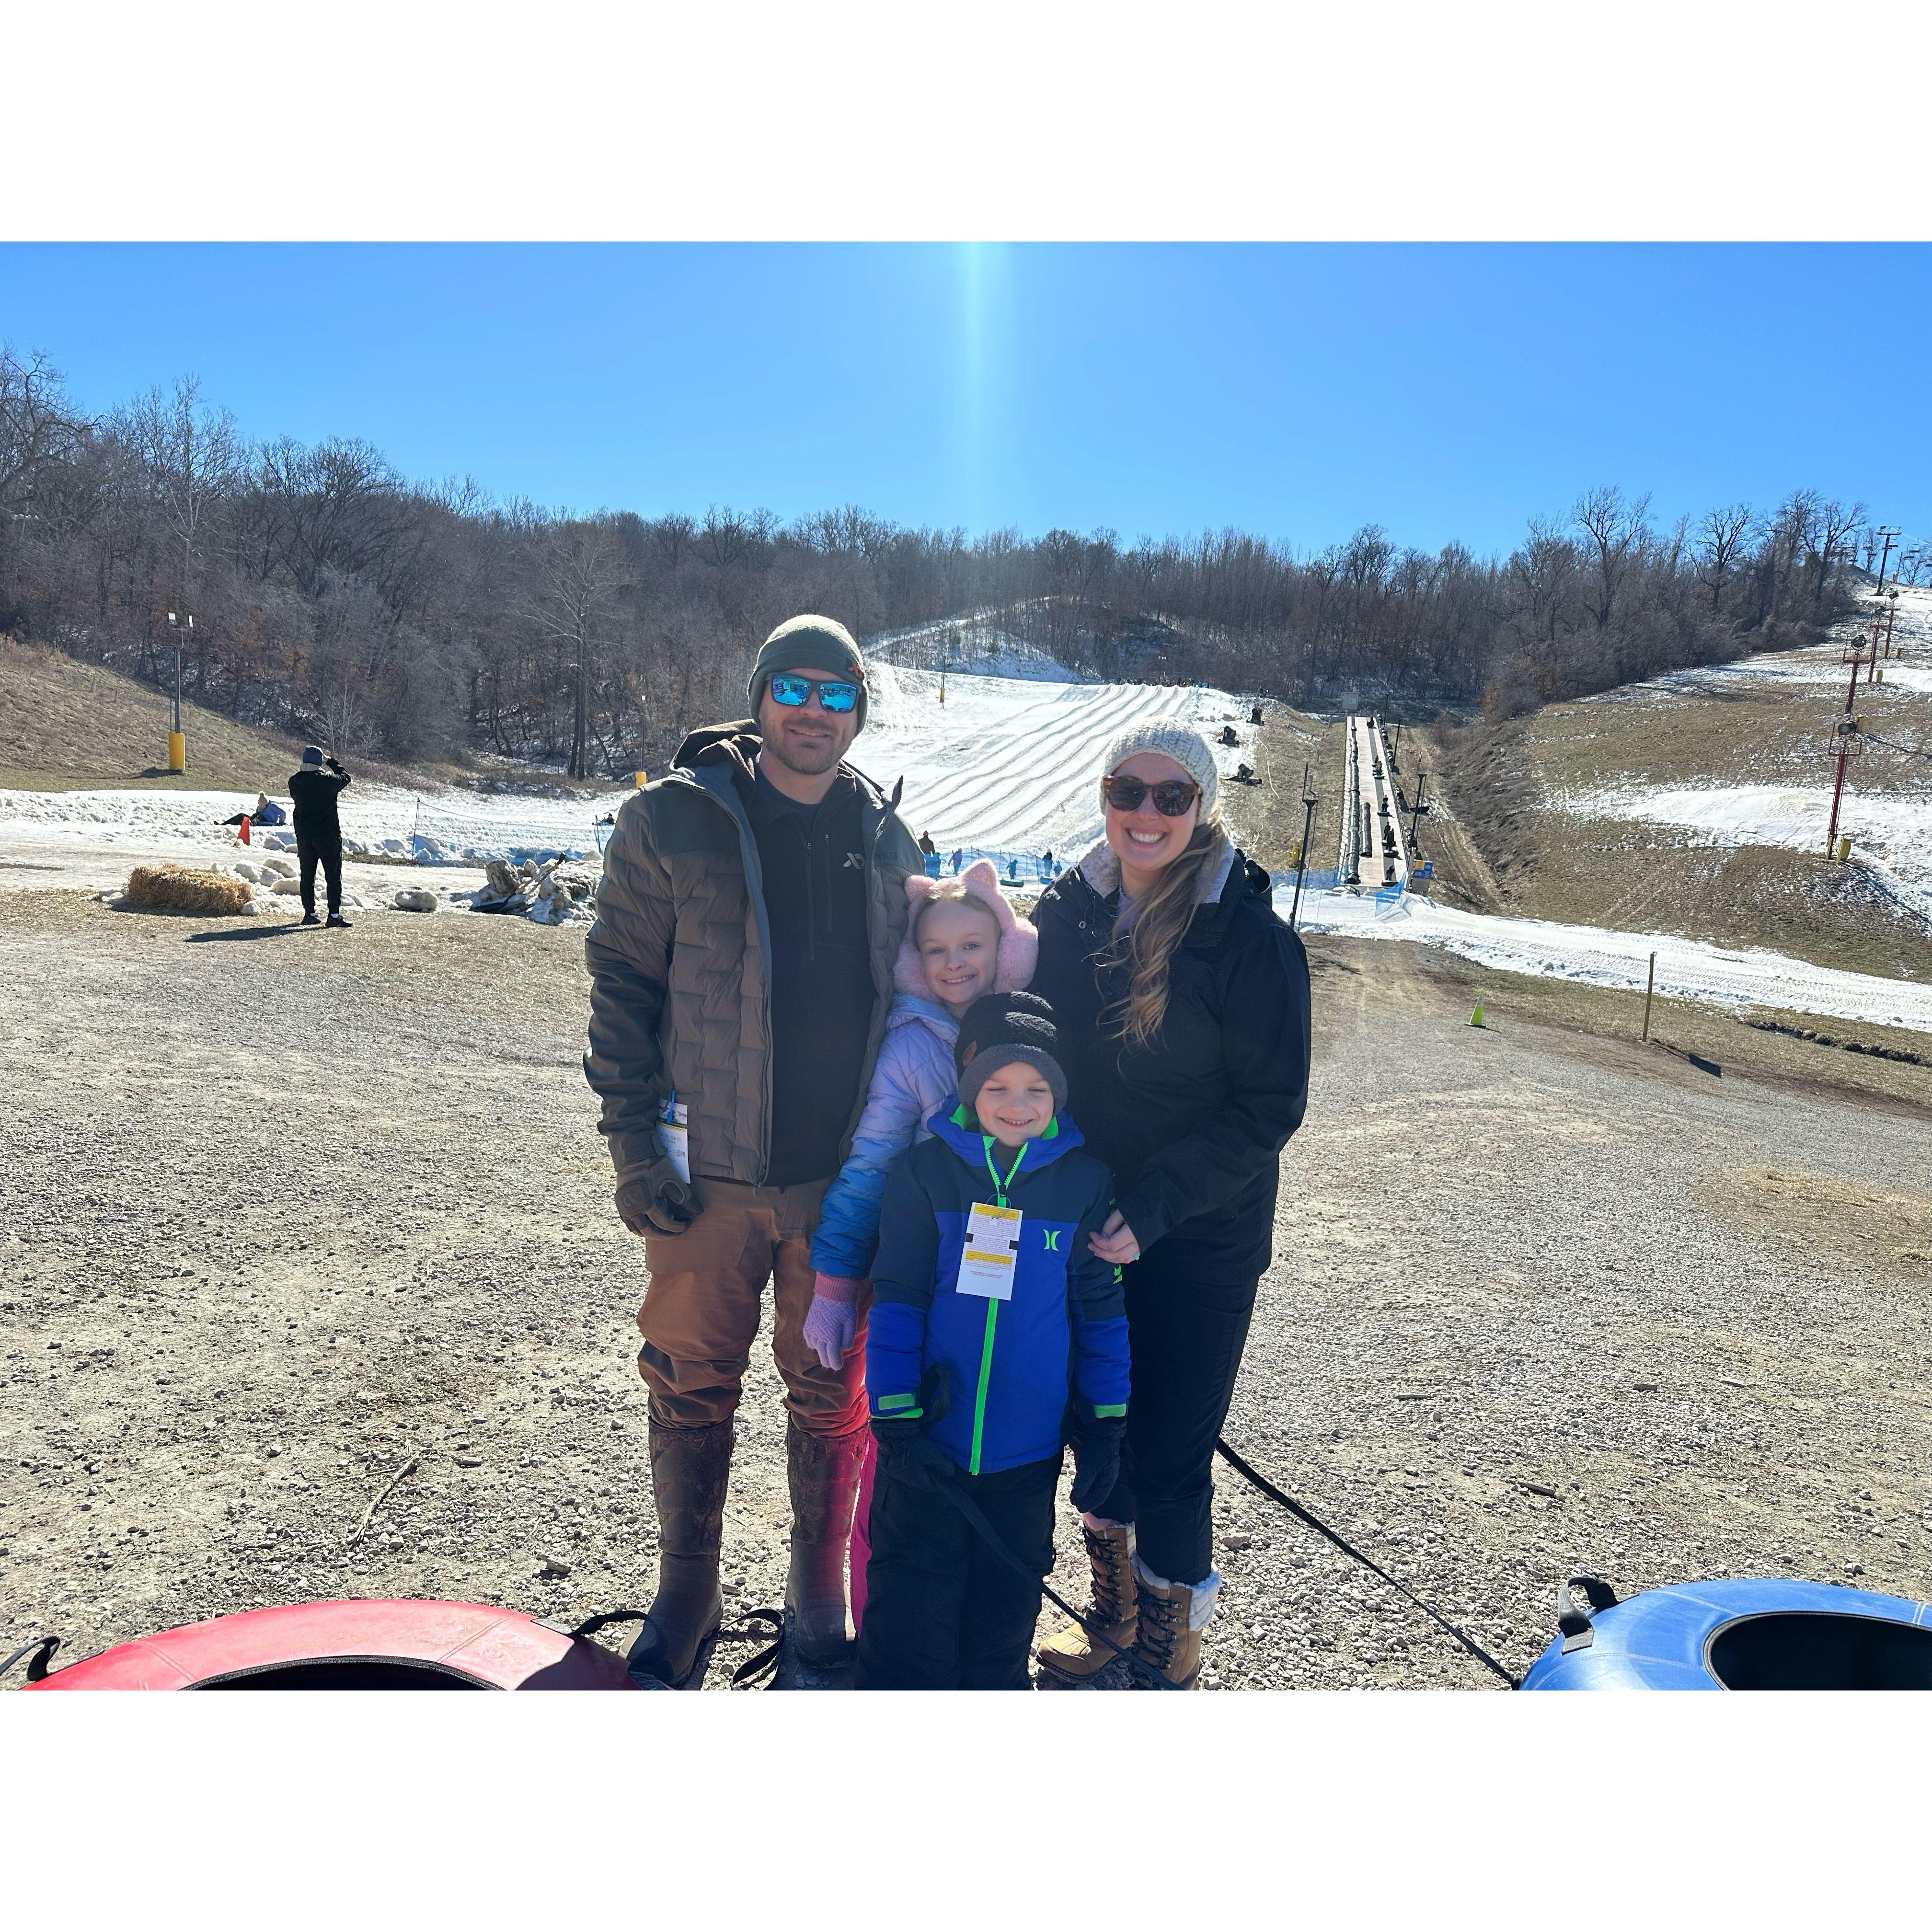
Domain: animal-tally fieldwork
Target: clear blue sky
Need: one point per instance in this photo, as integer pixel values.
(1297, 391)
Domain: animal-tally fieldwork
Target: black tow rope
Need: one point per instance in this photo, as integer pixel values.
(1320, 1529)
(44, 1648)
(758, 1664)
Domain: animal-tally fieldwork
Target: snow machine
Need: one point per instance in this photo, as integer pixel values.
(1746, 1633)
(364, 1644)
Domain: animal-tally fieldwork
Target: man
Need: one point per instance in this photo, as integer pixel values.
(752, 906)
(313, 792)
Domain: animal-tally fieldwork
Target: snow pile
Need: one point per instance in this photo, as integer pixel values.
(275, 881)
(555, 893)
(1686, 968)
(1891, 836)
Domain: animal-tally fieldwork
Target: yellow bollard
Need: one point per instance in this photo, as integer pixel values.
(177, 752)
(639, 777)
(1844, 849)
(1476, 1017)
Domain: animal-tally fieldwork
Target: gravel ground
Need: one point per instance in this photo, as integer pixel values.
(284, 1210)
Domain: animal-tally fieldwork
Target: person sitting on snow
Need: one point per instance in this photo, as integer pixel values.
(263, 812)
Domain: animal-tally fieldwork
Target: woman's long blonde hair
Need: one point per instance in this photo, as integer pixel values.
(1148, 947)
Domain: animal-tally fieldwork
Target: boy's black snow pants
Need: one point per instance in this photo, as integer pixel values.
(308, 850)
(1185, 1334)
(942, 1612)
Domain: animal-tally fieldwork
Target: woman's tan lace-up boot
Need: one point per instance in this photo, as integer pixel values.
(1164, 1644)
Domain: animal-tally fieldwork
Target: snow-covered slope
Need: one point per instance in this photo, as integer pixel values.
(1009, 765)
(1004, 765)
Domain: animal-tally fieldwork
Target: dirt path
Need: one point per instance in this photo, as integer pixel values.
(281, 1210)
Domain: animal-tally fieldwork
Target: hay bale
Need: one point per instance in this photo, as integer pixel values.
(185, 888)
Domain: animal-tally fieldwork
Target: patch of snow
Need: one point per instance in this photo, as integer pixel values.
(1891, 835)
(1686, 968)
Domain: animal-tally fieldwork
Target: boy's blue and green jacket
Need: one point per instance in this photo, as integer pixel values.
(1010, 1365)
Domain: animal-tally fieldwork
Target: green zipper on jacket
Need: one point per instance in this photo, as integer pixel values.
(992, 1310)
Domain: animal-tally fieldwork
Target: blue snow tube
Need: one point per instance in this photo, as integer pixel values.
(1745, 1633)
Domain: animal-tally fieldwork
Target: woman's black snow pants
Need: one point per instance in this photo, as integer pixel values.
(1186, 1333)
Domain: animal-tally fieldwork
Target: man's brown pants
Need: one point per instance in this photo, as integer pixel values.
(701, 1310)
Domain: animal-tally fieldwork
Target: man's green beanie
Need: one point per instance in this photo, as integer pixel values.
(800, 643)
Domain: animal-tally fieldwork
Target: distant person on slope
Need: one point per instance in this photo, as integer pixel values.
(313, 792)
(1182, 1002)
(752, 906)
(965, 940)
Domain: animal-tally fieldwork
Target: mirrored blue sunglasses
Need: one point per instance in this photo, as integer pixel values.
(834, 696)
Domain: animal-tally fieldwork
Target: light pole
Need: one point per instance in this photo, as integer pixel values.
(1309, 802)
(177, 742)
(1888, 531)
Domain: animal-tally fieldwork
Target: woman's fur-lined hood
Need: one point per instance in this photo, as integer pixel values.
(1101, 869)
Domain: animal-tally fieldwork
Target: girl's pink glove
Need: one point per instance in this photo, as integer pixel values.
(833, 1319)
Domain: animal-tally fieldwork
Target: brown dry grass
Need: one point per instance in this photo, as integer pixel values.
(186, 889)
(1507, 784)
(67, 726)
(1883, 1226)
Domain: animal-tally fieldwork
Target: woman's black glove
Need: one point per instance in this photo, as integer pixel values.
(655, 1200)
(1097, 1459)
(908, 1455)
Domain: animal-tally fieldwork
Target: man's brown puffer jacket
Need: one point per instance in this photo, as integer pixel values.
(679, 961)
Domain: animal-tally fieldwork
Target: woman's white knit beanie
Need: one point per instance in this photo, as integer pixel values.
(1172, 740)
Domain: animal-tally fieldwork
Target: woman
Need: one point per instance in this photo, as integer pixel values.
(1183, 1007)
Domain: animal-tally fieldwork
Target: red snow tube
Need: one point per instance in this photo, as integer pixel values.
(364, 1644)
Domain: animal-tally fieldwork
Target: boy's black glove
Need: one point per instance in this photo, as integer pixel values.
(908, 1455)
(654, 1201)
(1097, 1459)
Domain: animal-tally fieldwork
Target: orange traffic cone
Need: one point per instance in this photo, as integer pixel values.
(244, 828)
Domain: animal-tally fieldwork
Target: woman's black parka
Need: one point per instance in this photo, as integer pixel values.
(1192, 1127)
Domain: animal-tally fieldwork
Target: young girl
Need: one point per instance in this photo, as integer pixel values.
(963, 940)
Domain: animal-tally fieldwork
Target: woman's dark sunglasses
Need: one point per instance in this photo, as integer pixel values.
(1172, 797)
(793, 691)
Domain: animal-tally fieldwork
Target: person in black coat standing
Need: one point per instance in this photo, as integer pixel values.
(1183, 1010)
(313, 792)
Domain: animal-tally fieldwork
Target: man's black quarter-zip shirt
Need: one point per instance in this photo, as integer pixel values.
(813, 864)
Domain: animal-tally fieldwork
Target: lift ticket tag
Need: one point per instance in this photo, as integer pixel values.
(674, 1137)
(992, 1246)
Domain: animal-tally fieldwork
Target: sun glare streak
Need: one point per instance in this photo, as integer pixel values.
(979, 268)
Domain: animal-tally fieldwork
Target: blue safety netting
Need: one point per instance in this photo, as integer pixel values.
(1014, 869)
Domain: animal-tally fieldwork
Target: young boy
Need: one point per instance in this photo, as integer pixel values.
(986, 1304)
